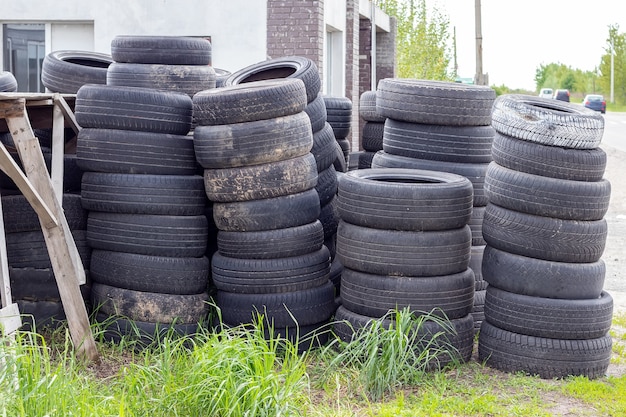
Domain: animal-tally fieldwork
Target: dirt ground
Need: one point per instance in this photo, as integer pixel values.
(615, 252)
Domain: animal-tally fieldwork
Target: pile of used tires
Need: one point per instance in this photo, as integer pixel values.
(373, 130)
(545, 310)
(440, 126)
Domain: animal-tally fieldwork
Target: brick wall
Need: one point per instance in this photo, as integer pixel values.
(386, 53)
(296, 27)
(352, 68)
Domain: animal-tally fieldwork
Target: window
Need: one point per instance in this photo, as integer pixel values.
(24, 50)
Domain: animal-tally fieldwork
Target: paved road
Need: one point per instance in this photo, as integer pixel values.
(615, 130)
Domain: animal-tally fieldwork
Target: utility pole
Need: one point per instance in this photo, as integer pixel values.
(612, 72)
(479, 78)
(456, 66)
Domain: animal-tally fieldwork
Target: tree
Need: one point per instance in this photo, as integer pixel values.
(422, 39)
(616, 42)
(555, 75)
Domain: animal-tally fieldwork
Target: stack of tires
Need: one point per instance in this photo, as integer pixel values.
(339, 116)
(545, 310)
(441, 126)
(65, 71)
(254, 141)
(146, 223)
(404, 241)
(372, 135)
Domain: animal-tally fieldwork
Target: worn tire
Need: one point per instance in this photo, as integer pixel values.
(316, 110)
(372, 136)
(171, 50)
(435, 102)
(367, 108)
(67, 71)
(29, 249)
(324, 147)
(8, 83)
(403, 253)
(19, 215)
(548, 122)
(403, 199)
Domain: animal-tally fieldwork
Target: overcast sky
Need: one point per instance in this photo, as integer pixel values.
(518, 36)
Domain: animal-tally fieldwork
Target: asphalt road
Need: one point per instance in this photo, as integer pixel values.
(615, 130)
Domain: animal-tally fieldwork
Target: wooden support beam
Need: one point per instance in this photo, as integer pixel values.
(58, 145)
(60, 101)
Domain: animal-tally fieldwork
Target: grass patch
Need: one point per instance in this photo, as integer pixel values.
(605, 396)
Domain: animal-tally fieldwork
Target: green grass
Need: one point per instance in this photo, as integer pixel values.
(237, 372)
(615, 107)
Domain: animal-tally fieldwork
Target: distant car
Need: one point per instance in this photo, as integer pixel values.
(562, 95)
(546, 93)
(595, 102)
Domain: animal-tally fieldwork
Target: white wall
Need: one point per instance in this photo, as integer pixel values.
(237, 27)
(334, 53)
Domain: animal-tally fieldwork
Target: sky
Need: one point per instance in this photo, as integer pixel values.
(520, 35)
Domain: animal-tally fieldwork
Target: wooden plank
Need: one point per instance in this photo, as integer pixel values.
(67, 266)
(60, 101)
(12, 108)
(58, 145)
(10, 319)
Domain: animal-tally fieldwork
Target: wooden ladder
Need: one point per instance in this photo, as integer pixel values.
(44, 193)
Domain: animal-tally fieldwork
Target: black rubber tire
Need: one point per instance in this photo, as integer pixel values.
(8, 83)
(19, 216)
(148, 234)
(271, 276)
(176, 195)
(457, 337)
(133, 108)
(267, 214)
(469, 144)
(545, 196)
(249, 102)
(31, 284)
(67, 71)
(324, 147)
(341, 160)
(549, 161)
(365, 159)
(327, 185)
(450, 296)
(539, 278)
(172, 50)
(302, 308)
(29, 250)
(404, 199)
(336, 269)
(372, 136)
(548, 122)
(473, 172)
(221, 76)
(269, 244)
(545, 238)
(403, 253)
(150, 306)
(40, 315)
(329, 217)
(253, 143)
(284, 67)
(476, 261)
(263, 181)
(186, 79)
(159, 274)
(367, 108)
(435, 102)
(135, 152)
(316, 110)
(339, 115)
(71, 172)
(549, 358)
(476, 225)
(548, 317)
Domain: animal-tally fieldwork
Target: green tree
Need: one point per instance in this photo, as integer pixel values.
(422, 40)
(615, 42)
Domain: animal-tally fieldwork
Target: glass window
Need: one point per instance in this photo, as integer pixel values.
(24, 50)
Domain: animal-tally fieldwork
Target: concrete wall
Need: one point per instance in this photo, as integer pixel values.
(237, 27)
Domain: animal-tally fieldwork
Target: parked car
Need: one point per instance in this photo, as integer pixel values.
(595, 102)
(546, 93)
(562, 95)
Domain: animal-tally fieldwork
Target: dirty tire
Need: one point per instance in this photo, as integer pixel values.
(545, 238)
(150, 306)
(271, 276)
(316, 110)
(327, 185)
(403, 253)
(133, 108)
(373, 295)
(172, 50)
(186, 79)
(8, 83)
(253, 143)
(540, 278)
(176, 195)
(548, 197)
(476, 225)
(148, 234)
(310, 306)
(275, 243)
(403, 199)
(548, 122)
(20, 217)
(548, 317)
(367, 108)
(266, 214)
(549, 161)
(249, 102)
(135, 152)
(549, 358)
(67, 71)
(290, 67)
(435, 102)
(372, 136)
(162, 274)
(324, 147)
(29, 250)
